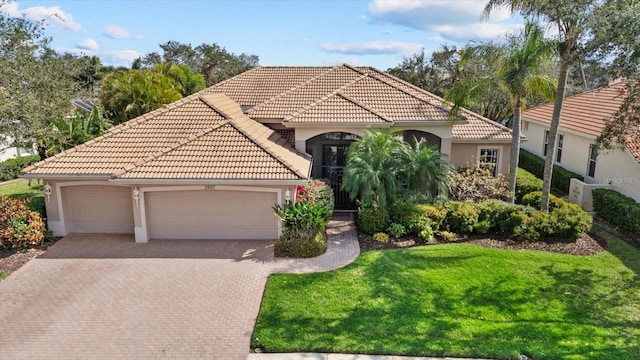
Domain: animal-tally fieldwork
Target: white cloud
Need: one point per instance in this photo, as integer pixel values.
(49, 16)
(119, 56)
(372, 48)
(449, 18)
(88, 44)
(117, 32)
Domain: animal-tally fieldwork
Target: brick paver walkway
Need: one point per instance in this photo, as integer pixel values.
(105, 297)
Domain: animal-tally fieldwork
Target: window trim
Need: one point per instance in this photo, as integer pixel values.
(559, 146)
(498, 160)
(545, 143)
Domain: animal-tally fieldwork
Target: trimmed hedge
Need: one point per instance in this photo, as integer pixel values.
(10, 169)
(618, 209)
(526, 183)
(534, 164)
(373, 220)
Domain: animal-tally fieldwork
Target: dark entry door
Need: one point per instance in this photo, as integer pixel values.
(334, 160)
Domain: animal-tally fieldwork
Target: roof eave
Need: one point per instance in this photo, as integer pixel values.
(210, 181)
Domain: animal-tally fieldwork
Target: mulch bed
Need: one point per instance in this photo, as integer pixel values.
(11, 261)
(589, 244)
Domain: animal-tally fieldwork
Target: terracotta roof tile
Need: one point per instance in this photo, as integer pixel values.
(585, 112)
(324, 111)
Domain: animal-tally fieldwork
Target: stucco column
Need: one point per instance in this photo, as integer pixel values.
(445, 146)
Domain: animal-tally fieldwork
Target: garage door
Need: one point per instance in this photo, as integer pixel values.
(98, 209)
(211, 215)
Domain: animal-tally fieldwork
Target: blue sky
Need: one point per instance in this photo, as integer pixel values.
(287, 32)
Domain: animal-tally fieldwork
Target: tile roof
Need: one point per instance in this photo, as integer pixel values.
(214, 134)
(588, 112)
(186, 140)
(585, 112)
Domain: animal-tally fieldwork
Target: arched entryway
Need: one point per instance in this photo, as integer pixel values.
(432, 140)
(329, 152)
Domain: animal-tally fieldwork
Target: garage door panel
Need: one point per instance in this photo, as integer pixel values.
(98, 209)
(211, 215)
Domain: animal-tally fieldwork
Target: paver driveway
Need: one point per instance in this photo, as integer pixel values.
(105, 297)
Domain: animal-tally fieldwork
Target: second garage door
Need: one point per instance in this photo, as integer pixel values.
(211, 215)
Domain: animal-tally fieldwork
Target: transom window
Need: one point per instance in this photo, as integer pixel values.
(489, 157)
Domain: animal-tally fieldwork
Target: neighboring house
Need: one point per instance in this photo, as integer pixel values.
(8, 150)
(583, 119)
(213, 164)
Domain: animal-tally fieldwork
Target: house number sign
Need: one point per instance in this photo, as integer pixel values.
(209, 187)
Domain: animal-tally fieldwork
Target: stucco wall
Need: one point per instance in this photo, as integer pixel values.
(466, 153)
(615, 167)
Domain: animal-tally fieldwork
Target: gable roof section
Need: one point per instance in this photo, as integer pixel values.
(585, 112)
(190, 139)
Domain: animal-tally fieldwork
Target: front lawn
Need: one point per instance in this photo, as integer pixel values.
(461, 300)
(20, 189)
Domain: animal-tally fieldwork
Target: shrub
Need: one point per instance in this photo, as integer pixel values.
(526, 183)
(564, 223)
(534, 200)
(476, 182)
(618, 209)
(373, 220)
(19, 226)
(381, 237)
(397, 230)
(447, 236)
(10, 169)
(482, 227)
(315, 191)
(301, 243)
(461, 217)
(501, 216)
(426, 233)
(304, 214)
(436, 215)
(534, 164)
(410, 215)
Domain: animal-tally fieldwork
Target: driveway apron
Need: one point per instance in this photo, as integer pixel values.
(105, 297)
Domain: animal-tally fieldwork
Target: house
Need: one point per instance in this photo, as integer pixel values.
(213, 164)
(583, 119)
(8, 150)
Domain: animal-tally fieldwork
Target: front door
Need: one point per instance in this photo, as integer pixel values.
(329, 151)
(334, 160)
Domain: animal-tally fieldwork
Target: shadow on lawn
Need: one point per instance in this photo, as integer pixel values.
(559, 312)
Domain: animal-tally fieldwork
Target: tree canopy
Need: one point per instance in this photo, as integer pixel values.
(215, 63)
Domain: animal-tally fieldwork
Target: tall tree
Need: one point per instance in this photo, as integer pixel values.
(36, 84)
(522, 73)
(126, 95)
(215, 63)
(188, 81)
(582, 28)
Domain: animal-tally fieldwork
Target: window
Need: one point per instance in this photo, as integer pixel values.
(489, 157)
(558, 146)
(593, 154)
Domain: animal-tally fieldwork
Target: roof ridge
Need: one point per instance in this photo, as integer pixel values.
(126, 125)
(323, 98)
(169, 148)
(296, 87)
(369, 109)
(261, 144)
(427, 100)
(239, 121)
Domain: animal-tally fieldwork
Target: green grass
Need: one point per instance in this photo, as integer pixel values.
(21, 189)
(461, 300)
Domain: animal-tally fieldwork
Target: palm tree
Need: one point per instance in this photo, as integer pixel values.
(521, 74)
(373, 162)
(382, 167)
(571, 19)
(187, 81)
(426, 170)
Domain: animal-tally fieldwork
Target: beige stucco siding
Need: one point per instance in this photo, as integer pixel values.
(466, 153)
(211, 215)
